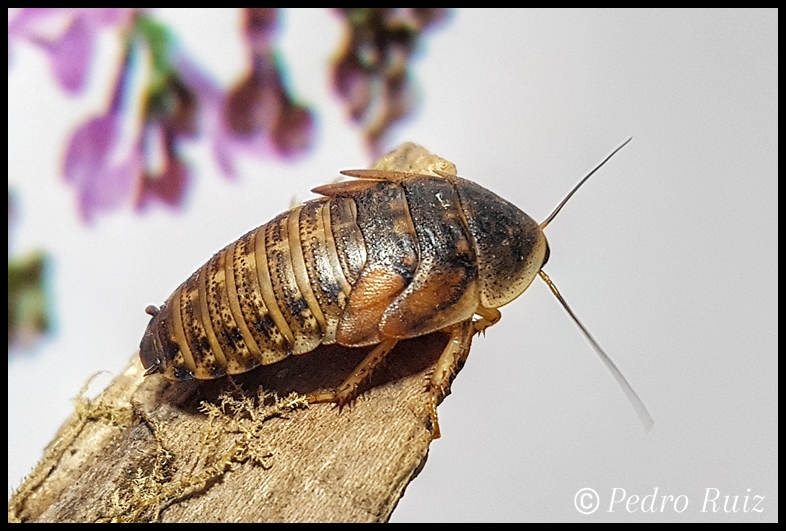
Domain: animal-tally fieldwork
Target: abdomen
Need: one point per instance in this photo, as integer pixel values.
(278, 290)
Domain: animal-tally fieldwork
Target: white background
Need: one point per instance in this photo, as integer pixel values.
(669, 254)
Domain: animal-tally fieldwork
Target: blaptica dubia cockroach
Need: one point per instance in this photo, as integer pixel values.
(405, 249)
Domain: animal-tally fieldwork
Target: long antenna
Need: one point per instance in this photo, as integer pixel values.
(559, 207)
(635, 401)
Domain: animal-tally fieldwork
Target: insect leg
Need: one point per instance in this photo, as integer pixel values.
(348, 390)
(450, 361)
(488, 317)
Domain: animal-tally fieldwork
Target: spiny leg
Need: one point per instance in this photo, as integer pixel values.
(347, 391)
(488, 317)
(450, 361)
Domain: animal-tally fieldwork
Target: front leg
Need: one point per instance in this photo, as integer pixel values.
(488, 317)
(450, 361)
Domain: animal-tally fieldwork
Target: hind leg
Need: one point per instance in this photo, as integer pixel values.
(438, 383)
(348, 390)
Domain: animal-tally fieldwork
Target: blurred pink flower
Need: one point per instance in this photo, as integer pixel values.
(170, 114)
(117, 158)
(210, 121)
(259, 104)
(101, 183)
(371, 73)
(294, 130)
(255, 118)
(70, 50)
(168, 185)
(103, 169)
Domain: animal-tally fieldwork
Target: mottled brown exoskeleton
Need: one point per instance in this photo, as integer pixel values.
(389, 256)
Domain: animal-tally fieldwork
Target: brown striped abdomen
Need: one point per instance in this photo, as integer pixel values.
(278, 290)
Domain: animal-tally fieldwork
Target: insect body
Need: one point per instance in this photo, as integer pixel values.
(388, 256)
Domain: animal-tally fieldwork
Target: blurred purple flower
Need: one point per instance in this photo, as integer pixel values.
(254, 104)
(294, 130)
(170, 114)
(211, 122)
(371, 72)
(168, 185)
(256, 117)
(71, 50)
(101, 183)
(259, 104)
(98, 163)
(110, 163)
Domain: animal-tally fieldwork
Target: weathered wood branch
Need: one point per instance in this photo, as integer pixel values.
(152, 450)
(148, 449)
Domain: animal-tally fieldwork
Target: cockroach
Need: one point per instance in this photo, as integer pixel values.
(388, 256)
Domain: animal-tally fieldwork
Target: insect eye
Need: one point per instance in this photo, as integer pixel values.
(546, 256)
